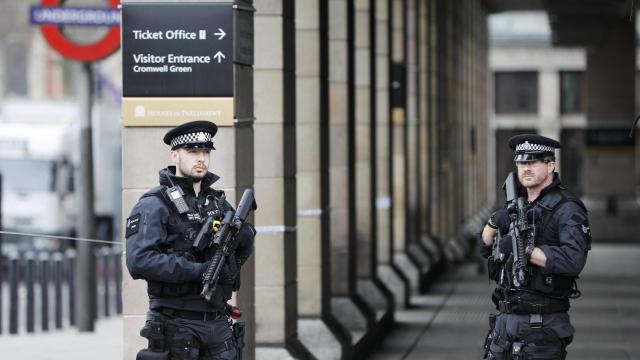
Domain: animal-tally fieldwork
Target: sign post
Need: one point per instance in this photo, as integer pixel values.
(50, 16)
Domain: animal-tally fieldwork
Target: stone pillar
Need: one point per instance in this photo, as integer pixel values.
(384, 229)
(425, 239)
(275, 182)
(610, 107)
(314, 292)
(456, 187)
(440, 211)
(467, 166)
(372, 292)
(423, 117)
(343, 254)
(411, 123)
(414, 248)
(476, 116)
(448, 150)
(484, 129)
(398, 144)
(435, 115)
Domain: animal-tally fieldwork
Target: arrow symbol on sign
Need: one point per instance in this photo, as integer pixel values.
(220, 33)
(219, 56)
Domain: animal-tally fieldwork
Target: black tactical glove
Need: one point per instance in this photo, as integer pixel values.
(205, 266)
(506, 245)
(499, 220)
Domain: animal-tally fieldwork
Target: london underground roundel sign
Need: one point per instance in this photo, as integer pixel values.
(74, 16)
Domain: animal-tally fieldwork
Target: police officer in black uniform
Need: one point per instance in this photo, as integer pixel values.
(532, 322)
(159, 235)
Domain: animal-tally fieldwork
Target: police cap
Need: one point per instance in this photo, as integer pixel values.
(532, 147)
(194, 134)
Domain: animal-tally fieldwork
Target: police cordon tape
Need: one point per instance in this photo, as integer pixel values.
(59, 237)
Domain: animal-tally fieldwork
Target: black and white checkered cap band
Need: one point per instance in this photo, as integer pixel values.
(527, 146)
(188, 138)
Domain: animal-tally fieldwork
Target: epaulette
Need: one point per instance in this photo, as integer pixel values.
(159, 192)
(552, 199)
(154, 191)
(569, 196)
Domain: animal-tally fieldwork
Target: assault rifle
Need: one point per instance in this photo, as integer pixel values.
(225, 240)
(522, 233)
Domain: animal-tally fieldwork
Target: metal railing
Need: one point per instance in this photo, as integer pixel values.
(38, 288)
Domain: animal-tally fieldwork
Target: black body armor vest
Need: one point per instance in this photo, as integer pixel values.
(186, 227)
(541, 285)
(551, 285)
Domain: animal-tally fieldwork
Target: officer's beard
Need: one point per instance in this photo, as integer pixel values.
(197, 177)
(192, 173)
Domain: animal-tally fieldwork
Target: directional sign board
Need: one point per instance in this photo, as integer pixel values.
(177, 50)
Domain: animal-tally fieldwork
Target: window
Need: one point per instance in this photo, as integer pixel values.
(572, 92)
(516, 92)
(28, 175)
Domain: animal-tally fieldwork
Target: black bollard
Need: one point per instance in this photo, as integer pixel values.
(57, 281)
(44, 289)
(70, 255)
(13, 294)
(117, 274)
(30, 264)
(3, 262)
(104, 254)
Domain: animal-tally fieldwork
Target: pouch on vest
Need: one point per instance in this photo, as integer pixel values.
(493, 269)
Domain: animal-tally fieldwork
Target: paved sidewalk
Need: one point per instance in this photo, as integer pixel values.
(450, 322)
(103, 344)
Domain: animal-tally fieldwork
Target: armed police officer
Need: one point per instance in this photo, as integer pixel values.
(536, 248)
(160, 232)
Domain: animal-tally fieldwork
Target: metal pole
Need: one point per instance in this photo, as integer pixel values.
(70, 271)
(13, 293)
(85, 261)
(44, 289)
(117, 274)
(1, 257)
(104, 256)
(57, 281)
(30, 264)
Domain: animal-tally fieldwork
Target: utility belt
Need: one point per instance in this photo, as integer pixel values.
(526, 303)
